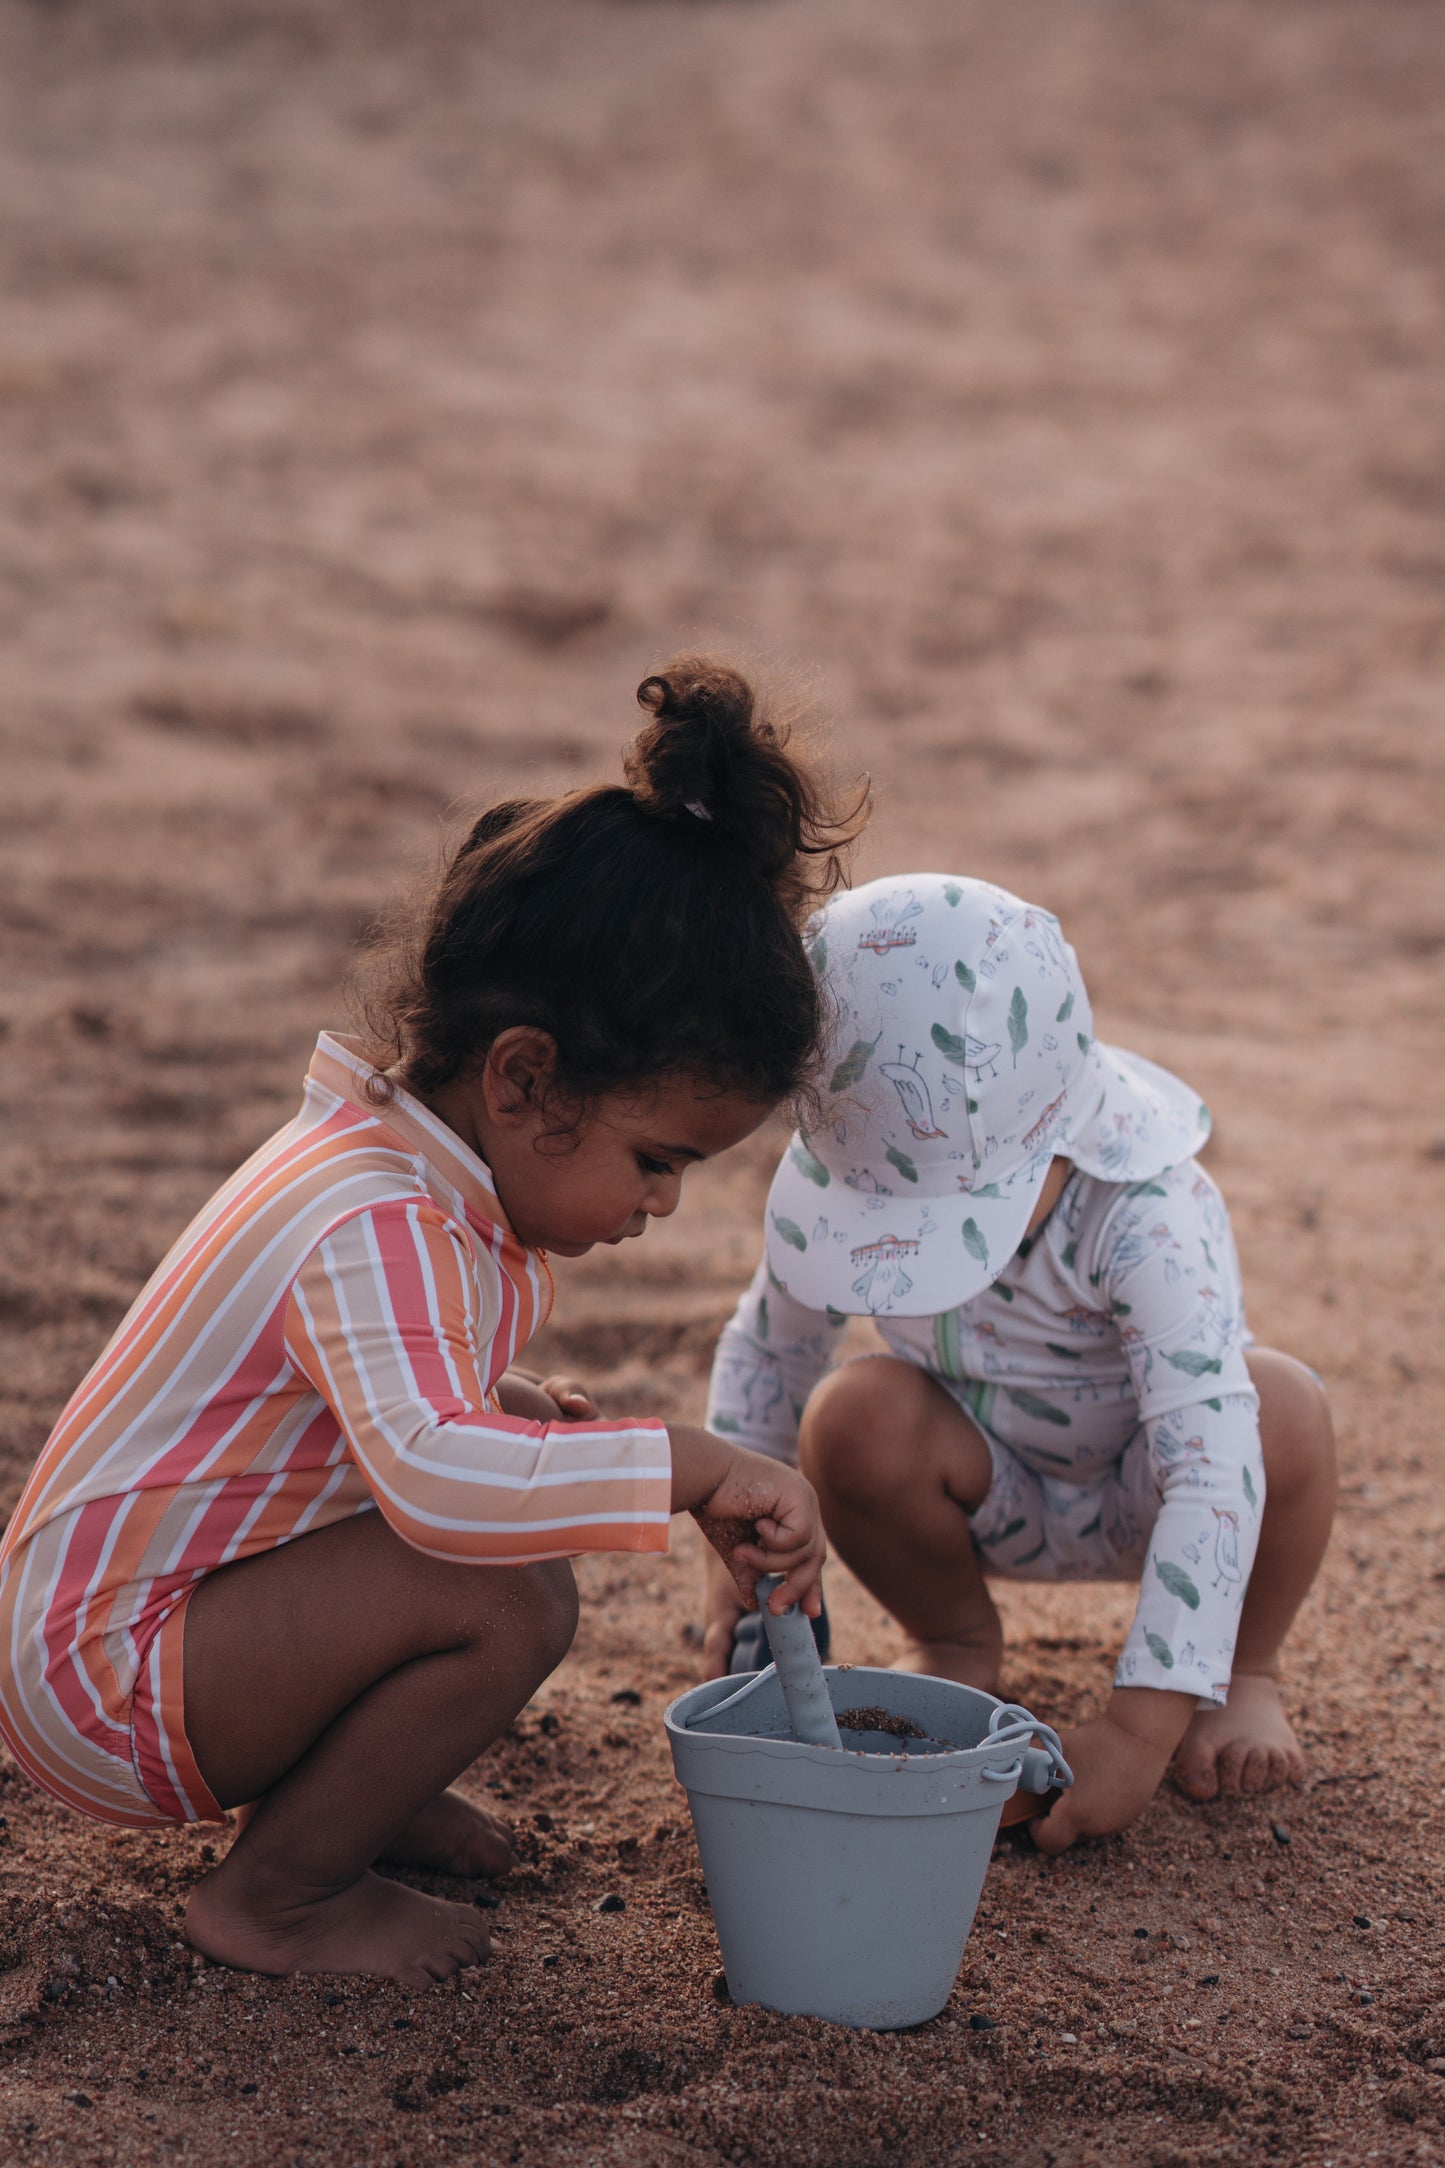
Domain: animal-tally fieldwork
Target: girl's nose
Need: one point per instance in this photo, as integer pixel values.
(663, 1197)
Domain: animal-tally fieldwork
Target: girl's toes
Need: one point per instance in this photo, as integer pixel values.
(1229, 1768)
(1255, 1774)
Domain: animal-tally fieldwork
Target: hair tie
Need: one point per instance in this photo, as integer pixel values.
(696, 808)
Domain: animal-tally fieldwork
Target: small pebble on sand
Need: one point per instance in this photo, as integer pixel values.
(610, 1903)
(979, 2023)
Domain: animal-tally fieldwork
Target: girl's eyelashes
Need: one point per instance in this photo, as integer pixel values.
(652, 1166)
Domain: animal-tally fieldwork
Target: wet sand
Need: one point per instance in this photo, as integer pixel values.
(380, 393)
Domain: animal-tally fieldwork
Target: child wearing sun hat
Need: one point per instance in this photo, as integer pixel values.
(1069, 1389)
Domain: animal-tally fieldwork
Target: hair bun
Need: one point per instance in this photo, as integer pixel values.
(711, 756)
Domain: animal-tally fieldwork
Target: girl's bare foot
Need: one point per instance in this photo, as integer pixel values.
(240, 1918)
(450, 1835)
(454, 1837)
(1247, 1746)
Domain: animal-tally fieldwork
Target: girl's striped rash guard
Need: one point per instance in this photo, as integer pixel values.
(324, 1339)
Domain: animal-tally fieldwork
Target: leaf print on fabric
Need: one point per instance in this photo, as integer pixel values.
(1193, 1363)
(1159, 1650)
(1068, 1354)
(836, 1317)
(1042, 1410)
(818, 955)
(791, 1232)
(901, 1161)
(1249, 1491)
(965, 977)
(1066, 1009)
(1116, 1307)
(807, 1165)
(850, 1069)
(949, 1043)
(947, 1348)
(1145, 1189)
(987, 1189)
(1018, 1023)
(726, 1424)
(953, 893)
(1001, 1535)
(1085, 1042)
(973, 1241)
(1177, 1581)
(1070, 1256)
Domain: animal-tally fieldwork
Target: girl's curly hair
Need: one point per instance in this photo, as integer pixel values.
(651, 929)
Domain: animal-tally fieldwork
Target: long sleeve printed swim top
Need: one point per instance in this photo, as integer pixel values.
(324, 1339)
(1124, 1312)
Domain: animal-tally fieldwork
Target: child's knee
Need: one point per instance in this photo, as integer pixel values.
(1296, 1429)
(554, 1611)
(846, 1420)
(529, 1620)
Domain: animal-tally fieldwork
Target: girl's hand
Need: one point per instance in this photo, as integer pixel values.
(543, 1400)
(760, 1516)
(573, 1402)
(1118, 1761)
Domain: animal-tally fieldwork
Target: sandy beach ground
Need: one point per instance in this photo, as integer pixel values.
(381, 391)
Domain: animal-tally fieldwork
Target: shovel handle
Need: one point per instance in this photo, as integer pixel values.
(800, 1674)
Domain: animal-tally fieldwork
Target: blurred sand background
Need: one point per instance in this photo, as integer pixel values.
(382, 390)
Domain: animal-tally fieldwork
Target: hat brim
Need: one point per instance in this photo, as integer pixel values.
(1147, 1120)
(861, 1253)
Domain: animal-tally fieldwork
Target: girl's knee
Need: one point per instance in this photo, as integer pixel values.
(553, 1610)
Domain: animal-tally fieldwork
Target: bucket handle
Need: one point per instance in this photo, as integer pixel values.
(1034, 1769)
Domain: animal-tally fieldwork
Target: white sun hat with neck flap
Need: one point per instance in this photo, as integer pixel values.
(962, 1060)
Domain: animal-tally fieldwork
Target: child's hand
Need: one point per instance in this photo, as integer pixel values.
(760, 1516)
(542, 1400)
(1118, 1761)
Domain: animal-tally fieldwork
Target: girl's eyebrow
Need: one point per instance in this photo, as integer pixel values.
(676, 1151)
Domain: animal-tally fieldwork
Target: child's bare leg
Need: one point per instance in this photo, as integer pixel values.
(898, 1467)
(1249, 1745)
(343, 1681)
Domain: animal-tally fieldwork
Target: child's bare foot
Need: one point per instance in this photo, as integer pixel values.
(970, 1663)
(454, 1837)
(1247, 1746)
(246, 1919)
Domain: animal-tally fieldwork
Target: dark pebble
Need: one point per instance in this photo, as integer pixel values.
(81, 2100)
(979, 2023)
(549, 1962)
(400, 2024)
(628, 1695)
(1366, 1997)
(1141, 1934)
(57, 1989)
(720, 1987)
(1209, 1979)
(249, 2086)
(610, 1903)
(544, 1822)
(550, 1724)
(1361, 1920)
(333, 2000)
(1280, 1833)
(487, 1899)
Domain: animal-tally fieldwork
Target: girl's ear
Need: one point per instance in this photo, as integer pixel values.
(520, 1064)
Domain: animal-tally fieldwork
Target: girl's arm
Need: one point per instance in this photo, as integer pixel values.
(389, 1323)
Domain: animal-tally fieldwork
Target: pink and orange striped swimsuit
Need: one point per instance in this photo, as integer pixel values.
(323, 1340)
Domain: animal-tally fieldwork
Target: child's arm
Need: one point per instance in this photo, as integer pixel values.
(1165, 1264)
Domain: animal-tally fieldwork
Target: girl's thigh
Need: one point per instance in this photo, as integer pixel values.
(277, 1645)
